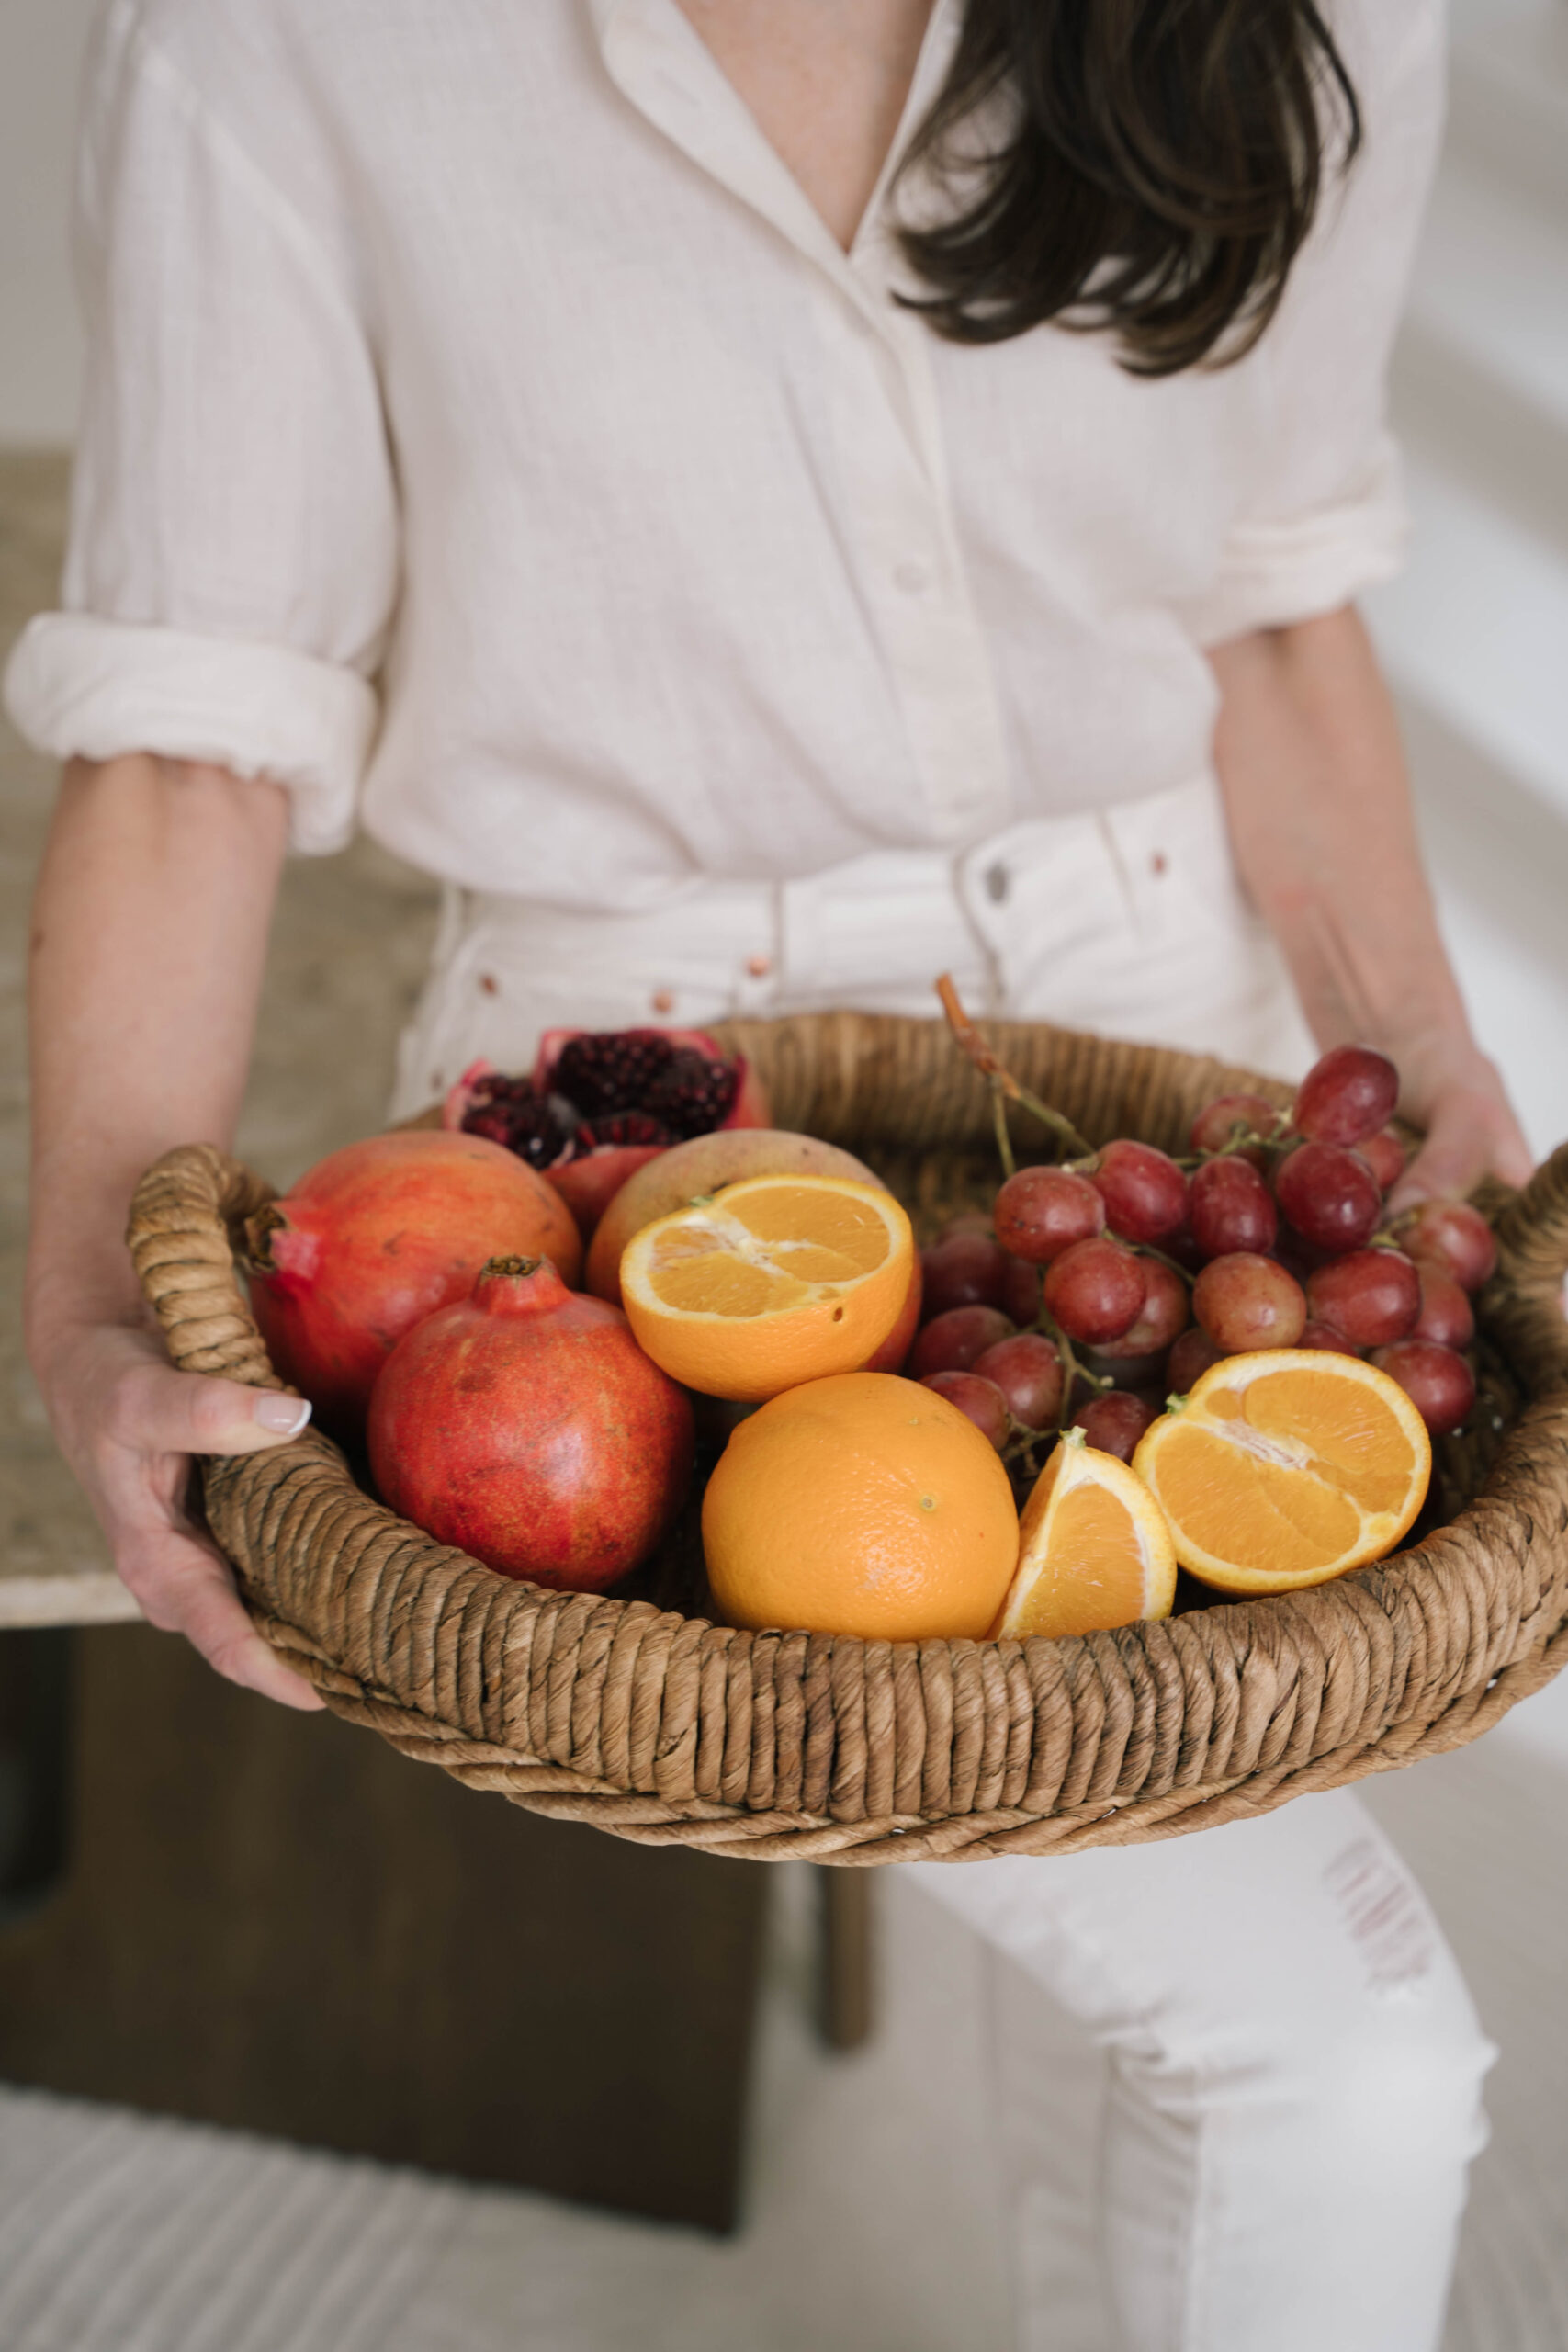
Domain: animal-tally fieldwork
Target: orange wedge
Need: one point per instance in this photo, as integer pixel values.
(1094, 1550)
(773, 1280)
(1284, 1468)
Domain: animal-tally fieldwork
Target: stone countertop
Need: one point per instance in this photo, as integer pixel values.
(349, 946)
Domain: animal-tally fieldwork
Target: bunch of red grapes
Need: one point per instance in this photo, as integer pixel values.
(1101, 1286)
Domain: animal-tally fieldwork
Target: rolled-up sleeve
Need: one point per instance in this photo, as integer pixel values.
(1324, 516)
(232, 562)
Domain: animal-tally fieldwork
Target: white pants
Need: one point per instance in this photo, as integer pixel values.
(1132, 923)
(1287, 2098)
(1291, 2066)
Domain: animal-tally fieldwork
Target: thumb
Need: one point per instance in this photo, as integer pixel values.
(161, 1411)
(1470, 1135)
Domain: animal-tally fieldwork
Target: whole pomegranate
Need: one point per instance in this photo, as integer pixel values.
(379, 1235)
(525, 1426)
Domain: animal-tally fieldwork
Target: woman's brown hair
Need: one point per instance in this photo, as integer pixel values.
(1149, 166)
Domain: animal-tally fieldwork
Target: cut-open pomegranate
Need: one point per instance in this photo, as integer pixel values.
(598, 1104)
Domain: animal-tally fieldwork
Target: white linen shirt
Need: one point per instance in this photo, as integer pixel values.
(484, 435)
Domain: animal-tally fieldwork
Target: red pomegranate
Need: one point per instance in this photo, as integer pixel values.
(526, 1426)
(379, 1235)
(598, 1104)
(655, 1071)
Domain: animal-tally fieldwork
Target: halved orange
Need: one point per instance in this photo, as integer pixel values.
(1094, 1549)
(1287, 1467)
(773, 1280)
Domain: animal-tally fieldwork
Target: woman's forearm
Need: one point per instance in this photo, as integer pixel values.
(148, 939)
(1313, 772)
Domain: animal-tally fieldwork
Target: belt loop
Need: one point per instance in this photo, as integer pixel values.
(800, 938)
(453, 921)
(988, 925)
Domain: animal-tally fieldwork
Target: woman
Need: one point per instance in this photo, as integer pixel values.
(767, 504)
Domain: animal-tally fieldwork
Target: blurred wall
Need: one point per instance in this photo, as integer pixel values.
(1474, 632)
(41, 56)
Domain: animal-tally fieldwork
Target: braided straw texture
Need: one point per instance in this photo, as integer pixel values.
(667, 1729)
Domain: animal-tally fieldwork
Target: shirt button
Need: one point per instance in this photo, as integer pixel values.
(758, 966)
(911, 576)
(663, 1000)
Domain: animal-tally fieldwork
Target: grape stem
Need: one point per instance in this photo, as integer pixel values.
(1147, 1250)
(1242, 1138)
(1073, 1372)
(1004, 1087)
(999, 1121)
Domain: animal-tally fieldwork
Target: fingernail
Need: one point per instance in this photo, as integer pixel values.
(283, 1416)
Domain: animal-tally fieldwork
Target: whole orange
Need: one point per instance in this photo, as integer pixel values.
(861, 1504)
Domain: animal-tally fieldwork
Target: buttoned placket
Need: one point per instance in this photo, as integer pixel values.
(881, 396)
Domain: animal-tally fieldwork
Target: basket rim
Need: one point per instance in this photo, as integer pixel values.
(671, 1729)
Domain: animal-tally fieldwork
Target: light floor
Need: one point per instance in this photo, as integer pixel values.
(873, 2199)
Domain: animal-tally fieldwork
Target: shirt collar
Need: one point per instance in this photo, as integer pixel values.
(663, 66)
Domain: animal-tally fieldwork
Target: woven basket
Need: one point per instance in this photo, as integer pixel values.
(662, 1727)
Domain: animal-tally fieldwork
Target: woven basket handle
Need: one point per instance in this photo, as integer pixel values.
(183, 1234)
(1533, 1262)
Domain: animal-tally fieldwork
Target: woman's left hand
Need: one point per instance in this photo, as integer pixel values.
(1308, 752)
(1456, 1095)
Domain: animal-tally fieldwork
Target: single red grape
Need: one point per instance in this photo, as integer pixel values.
(1384, 1155)
(951, 1343)
(1373, 1295)
(1347, 1096)
(975, 1397)
(1220, 1120)
(1323, 1334)
(1447, 1317)
(1095, 1291)
(1246, 1302)
(1330, 1196)
(1189, 1358)
(1451, 1235)
(967, 1221)
(1043, 1211)
(1143, 1191)
(1167, 1309)
(1437, 1381)
(963, 1270)
(1232, 1208)
(1020, 1291)
(1028, 1371)
(1114, 1422)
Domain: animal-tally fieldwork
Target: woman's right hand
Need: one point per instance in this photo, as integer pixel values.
(128, 1424)
(148, 939)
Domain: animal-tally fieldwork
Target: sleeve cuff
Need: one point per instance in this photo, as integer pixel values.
(80, 687)
(1273, 574)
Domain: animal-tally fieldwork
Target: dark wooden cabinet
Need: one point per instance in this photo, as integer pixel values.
(272, 1920)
